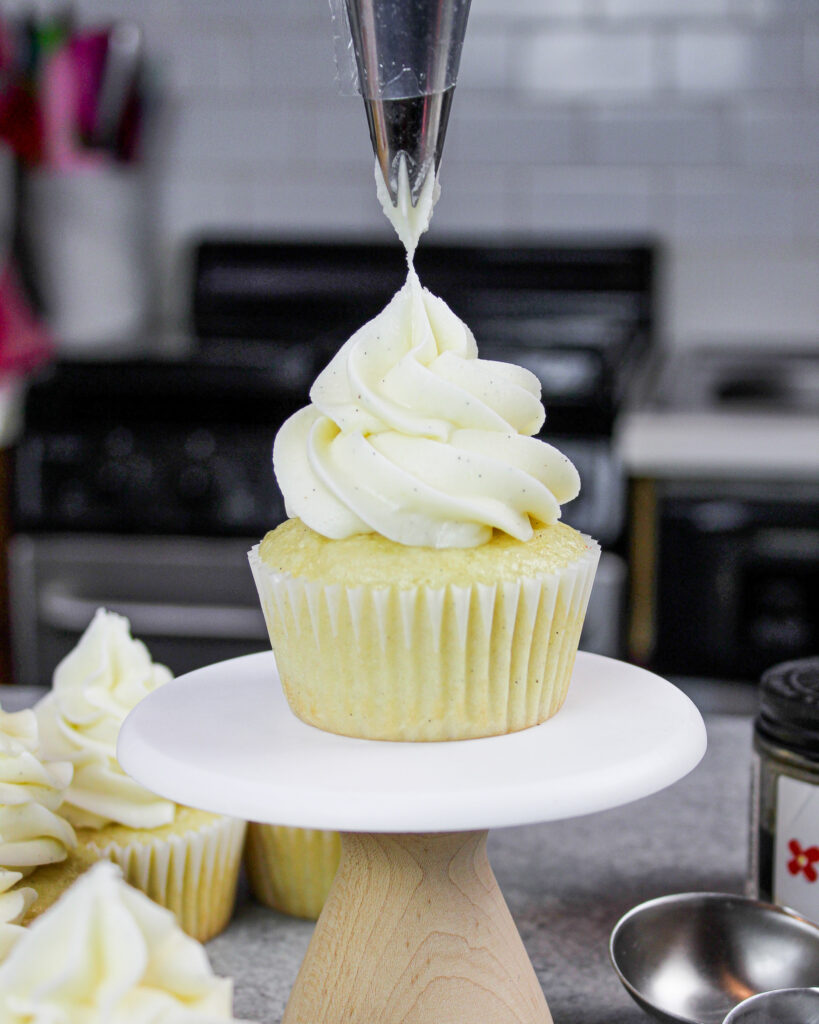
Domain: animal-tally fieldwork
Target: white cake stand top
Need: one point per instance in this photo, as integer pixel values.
(223, 739)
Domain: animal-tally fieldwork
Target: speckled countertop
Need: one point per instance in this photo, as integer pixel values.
(566, 883)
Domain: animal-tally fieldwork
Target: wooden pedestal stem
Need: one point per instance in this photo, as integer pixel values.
(416, 931)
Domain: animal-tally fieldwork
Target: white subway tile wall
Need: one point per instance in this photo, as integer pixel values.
(695, 122)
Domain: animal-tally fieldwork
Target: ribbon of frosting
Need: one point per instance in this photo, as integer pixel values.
(110, 954)
(95, 686)
(31, 792)
(411, 435)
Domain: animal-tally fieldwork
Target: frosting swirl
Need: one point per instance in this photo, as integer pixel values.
(31, 832)
(105, 952)
(13, 905)
(412, 436)
(95, 686)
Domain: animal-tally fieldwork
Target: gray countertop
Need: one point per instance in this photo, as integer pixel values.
(566, 883)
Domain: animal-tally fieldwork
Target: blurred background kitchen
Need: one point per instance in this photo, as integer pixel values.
(189, 229)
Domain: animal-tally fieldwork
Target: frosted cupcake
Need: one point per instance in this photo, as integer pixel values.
(291, 869)
(105, 952)
(184, 859)
(423, 588)
(32, 832)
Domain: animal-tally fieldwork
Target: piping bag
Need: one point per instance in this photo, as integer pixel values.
(402, 56)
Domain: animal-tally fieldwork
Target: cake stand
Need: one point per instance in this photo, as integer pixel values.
(415, 929)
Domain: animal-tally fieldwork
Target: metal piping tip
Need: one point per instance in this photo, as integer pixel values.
(414, 127)
(407, 54)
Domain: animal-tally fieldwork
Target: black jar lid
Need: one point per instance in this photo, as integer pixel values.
(789, 706)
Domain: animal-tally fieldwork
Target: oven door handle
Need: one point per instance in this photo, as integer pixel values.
(63, 610)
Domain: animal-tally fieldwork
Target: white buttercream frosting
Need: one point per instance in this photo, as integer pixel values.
(95, 686)
(105, 952)
(410, 221)
(411, 435)
(31, 792)
(14, 902)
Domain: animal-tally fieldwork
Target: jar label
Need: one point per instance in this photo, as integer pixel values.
(796, 857)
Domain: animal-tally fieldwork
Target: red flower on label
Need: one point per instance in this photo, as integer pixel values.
(803, 860)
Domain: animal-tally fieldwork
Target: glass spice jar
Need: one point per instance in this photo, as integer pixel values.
(784, 853)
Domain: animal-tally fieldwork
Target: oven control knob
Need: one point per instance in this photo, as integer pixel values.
(73, 503)
(112, 479)
(195, 483)
(125, 478)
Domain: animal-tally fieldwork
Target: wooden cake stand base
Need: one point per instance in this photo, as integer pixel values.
(415, 929)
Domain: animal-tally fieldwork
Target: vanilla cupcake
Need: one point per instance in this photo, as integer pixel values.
(32, 832)
(184, 859)
(291, 869)
(464, 648)
(104, 952)
(423, 588)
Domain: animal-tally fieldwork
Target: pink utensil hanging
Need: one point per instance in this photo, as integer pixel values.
(25, 344)
(61, 96)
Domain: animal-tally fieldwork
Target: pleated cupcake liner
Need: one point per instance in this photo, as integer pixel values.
(426, 663)
(291, 869)
(194, 874)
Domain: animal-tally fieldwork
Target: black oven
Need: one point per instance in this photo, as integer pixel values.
(734, 575)
(722, 445)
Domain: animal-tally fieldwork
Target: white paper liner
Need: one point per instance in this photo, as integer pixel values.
(291, 869)
(194, 873)
(426, 663)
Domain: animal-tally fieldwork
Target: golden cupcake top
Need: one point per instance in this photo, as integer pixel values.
(412, 436)
(372, 560)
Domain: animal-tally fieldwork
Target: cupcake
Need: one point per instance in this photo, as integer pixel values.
(423, 587)
(104, 952)
(291, 869)
(184, 859)
(32, 832)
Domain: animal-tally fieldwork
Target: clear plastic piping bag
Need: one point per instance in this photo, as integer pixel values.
(407, 48)
(402, 56)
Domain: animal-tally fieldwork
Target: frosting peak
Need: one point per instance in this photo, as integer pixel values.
(110, 954)
(410, 222)
(95, 686)
(411, 435)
